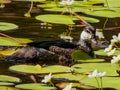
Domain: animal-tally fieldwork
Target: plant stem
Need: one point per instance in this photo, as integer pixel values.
(33, 78)
(78, 16)
(56, 2)
(15, 39)
(107, 4)
(52, 83)
(97, 83)
(31, 6)
(105, 23)
(101, 83)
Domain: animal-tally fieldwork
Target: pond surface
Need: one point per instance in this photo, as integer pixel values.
(37, 31)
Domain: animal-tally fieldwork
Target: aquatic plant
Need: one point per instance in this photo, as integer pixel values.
(68, 87)
(79, 72)
(47, 78)
(115, 43)
(95, 74)
(116, 60)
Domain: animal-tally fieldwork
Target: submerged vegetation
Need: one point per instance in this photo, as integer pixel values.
(77, 74)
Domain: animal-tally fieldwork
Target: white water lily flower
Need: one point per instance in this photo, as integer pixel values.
(47, 78)
(64, 37)
(115, 39)
(93, 74)
(115, 60)
(111, 52)
(68, 87)
(101, 74)
(108, 49)
(67, 2)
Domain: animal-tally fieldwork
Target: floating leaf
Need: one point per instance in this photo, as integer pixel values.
(91, 60)
(112, 3)
(58, 19)
(26, 69)
(7, 88)
(9, 42)
(76, 4)
(30, 0)
(102, 67)
(5, 84)
(88, 19)
(108, 82)
(116, 9)
(8, 52)
(9, 78)
(69, 76)
(48, 4)
(35, 86)
(38, 70)
(80, 55)
(104, 13)
(88, 3)
(55, 69)
(102, 53)
(61, 9)
(74, 77)
(4, 26)
(91, 20)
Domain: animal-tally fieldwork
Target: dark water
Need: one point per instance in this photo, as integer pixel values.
(32, 29)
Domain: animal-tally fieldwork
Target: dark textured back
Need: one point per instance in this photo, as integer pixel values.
(47, 44)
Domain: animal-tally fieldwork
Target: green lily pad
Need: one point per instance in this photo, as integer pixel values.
(58, 19)
(35, 86)
(38, 70)
(91, 20)
(8, 52)
(10, 42)
(80, 55)
(88, 19)
(4, 26)
(69, 76)
(74, 77)
(102, 53)
(102, 67)
(61, 9)
(30, 0)
(88, 3)
(55, 69)
(104, 13)
(108, 82)
(6, 84)
(26, 69)
(48, 4)
(9, 78)
(7, 88)
(77, 4)
(112, 3)
(116, 9)
(91, 60)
